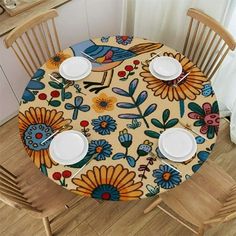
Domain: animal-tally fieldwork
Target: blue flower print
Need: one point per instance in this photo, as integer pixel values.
(104, 125)
(207, 90)
(33, 86)
(101, 148)
(105, 39)
(35, 134)
(199, 140)
(202, 156)
(145, 148)
(124, 40)
(152, 190)
(125, 138)
(166, 177)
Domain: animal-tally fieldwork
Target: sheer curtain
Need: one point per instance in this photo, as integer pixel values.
(228, 92)
(224, 82)
(166, 21)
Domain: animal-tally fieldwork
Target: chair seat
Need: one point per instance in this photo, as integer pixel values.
(199, 198)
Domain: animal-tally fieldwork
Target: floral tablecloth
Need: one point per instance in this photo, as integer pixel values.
(122, 110)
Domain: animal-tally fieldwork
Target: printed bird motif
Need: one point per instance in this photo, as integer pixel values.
(106, 58)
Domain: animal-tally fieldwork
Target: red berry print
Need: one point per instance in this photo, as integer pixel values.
(129, 68)
(42, 96)
(121, 73)
(56, 175)
(124, 37)
(55, 94)
(66, 174)
(85, 131)
(84, 123)
(106, 196)
(38, 135)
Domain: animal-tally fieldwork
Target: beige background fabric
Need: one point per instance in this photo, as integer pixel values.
(138, 134)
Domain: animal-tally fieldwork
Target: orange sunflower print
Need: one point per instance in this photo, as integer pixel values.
(103, 103)
(35, 126)
(189, 88)
(109, 183)
(55, 62)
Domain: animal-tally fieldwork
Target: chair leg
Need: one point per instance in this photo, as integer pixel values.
(153, 205)
(47, 226)
(201, 231)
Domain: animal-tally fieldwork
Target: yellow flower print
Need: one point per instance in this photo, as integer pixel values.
(55, 62)
(103, 103)
(109, 183)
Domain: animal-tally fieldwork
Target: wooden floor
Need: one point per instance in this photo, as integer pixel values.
(91, 218)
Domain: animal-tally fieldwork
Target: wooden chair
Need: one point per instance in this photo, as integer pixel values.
(33, 192)
(207, 42)
(35, 41)
(206, 199)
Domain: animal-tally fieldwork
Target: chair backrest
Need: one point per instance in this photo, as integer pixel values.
(227, 211)
(35, 41)
(11, 193)
(207, 42)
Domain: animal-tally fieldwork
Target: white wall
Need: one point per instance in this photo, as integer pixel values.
(13, 69)
(82, 19)
(8, 102)
(78, 20)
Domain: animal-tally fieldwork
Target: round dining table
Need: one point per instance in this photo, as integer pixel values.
(122, 109)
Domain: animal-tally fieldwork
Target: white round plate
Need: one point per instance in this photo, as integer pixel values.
(75, 68)
(165, 68)
(68, 147)
(177, 144)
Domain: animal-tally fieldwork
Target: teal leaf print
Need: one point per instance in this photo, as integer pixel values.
(171, 123)
(150, 109)
(55, 85)
(165, 115)
(136, 102)
(130, 116)
(152, 134)
(126, 105)
(141, 98)
(132, 87)
(55, 103)
(157, 123)
(165, 124)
